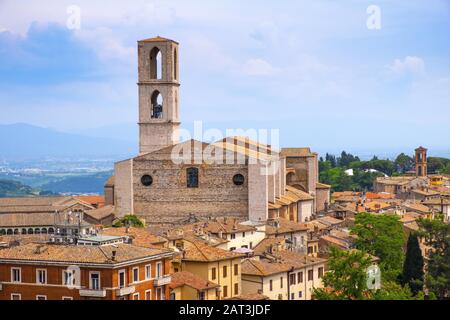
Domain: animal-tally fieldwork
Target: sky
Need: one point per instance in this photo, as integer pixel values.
(331, 75)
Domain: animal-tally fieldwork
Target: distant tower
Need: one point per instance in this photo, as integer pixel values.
(158, 94)
(421, 162)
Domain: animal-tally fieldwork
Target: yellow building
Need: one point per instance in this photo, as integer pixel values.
(212, 264)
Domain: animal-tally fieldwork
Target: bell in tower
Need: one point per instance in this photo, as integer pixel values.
(158, 94)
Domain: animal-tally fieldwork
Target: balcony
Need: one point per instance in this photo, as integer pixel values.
(163, 280)
(125, 291)
(93, 293)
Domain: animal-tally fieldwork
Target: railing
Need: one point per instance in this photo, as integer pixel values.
(125, 291)
(163, 280)
(92, 293)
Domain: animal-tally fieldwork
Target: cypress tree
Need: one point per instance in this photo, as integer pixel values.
(413, 265)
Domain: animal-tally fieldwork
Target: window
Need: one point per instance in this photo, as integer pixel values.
(310, 275)
(157, 102)
(68, 277)
(271, 285)
(213, 274)
(175, 64)
(236, 289)
(159, 270)
(310, 250)
(135, 296)
(135, 274)
(202, 295)
(122, 283)
(232, 248)
(41, 276)
(94, 280)
(192, 177)
(243, 234)
(16, 275)
(251, 245)
(148, 271)
(281, 282)
(236, 269)
(233, 236)
(41, 297)
(159, 294)
(292, 279)
(292, 296)
(300, 294)
(67, 298)
(155, 64)
(224, 271)
(300, 277)
(16, 296)
(238, 179)
(225, 291)
(148, 295)
(146, 180)
(320, 272)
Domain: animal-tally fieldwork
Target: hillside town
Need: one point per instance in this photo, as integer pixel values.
(259, 227)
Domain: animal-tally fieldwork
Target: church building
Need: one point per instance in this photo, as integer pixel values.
(171, 182)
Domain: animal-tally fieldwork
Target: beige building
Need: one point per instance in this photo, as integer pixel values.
(199, 182)
(283, 275)
(187, 286)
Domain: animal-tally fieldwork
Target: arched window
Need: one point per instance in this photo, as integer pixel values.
(175, 64)
(30, 231)
(192, 177)
(10, 231)
(2, 232)
(24, 231)
(44, 230)
(37, 231)
(16, 231)
(51, 230)
(155, 64)
(157, 105)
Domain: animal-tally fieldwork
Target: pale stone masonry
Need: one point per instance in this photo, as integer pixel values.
(161, 191)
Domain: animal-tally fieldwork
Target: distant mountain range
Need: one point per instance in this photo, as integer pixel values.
(24, 141)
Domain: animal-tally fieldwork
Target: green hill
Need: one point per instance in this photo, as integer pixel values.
(9, 188)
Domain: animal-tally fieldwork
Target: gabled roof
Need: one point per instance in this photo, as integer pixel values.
(200, 252)
(186, 278)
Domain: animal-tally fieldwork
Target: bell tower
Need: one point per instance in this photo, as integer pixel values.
(158, 94)
(421, 162)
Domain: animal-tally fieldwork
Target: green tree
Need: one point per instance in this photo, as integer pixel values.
(394, 291)
(404, 163)
(381, 236)
(436, 235)
(129, 220)
(413, 265)
(347, 276)
(437, 164)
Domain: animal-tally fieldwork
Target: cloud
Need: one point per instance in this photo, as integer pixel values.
(409, 65)
(258, 67)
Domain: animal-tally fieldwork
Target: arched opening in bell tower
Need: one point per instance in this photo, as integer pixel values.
(157, 105)
(155, 64)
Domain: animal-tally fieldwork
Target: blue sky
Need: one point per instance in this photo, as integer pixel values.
(310, 68)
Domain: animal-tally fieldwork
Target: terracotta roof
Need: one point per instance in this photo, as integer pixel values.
(266, 243)
(186, 278)
(141, 237)
(101, 213)
(263, 267)
(284, 226)
(78, 254)
(39, 204)
(26, 219)
(198, 251)
(335, 241)
(415, 206)
(322, 186)
(328, 220)
(298, 194)
(110, 182)
(96, 201)
(379, 195)
(437, 201)
(224, 225)
(425, 192)
(339, 194)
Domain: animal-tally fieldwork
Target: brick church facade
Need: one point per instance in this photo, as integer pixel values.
(170, 181)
